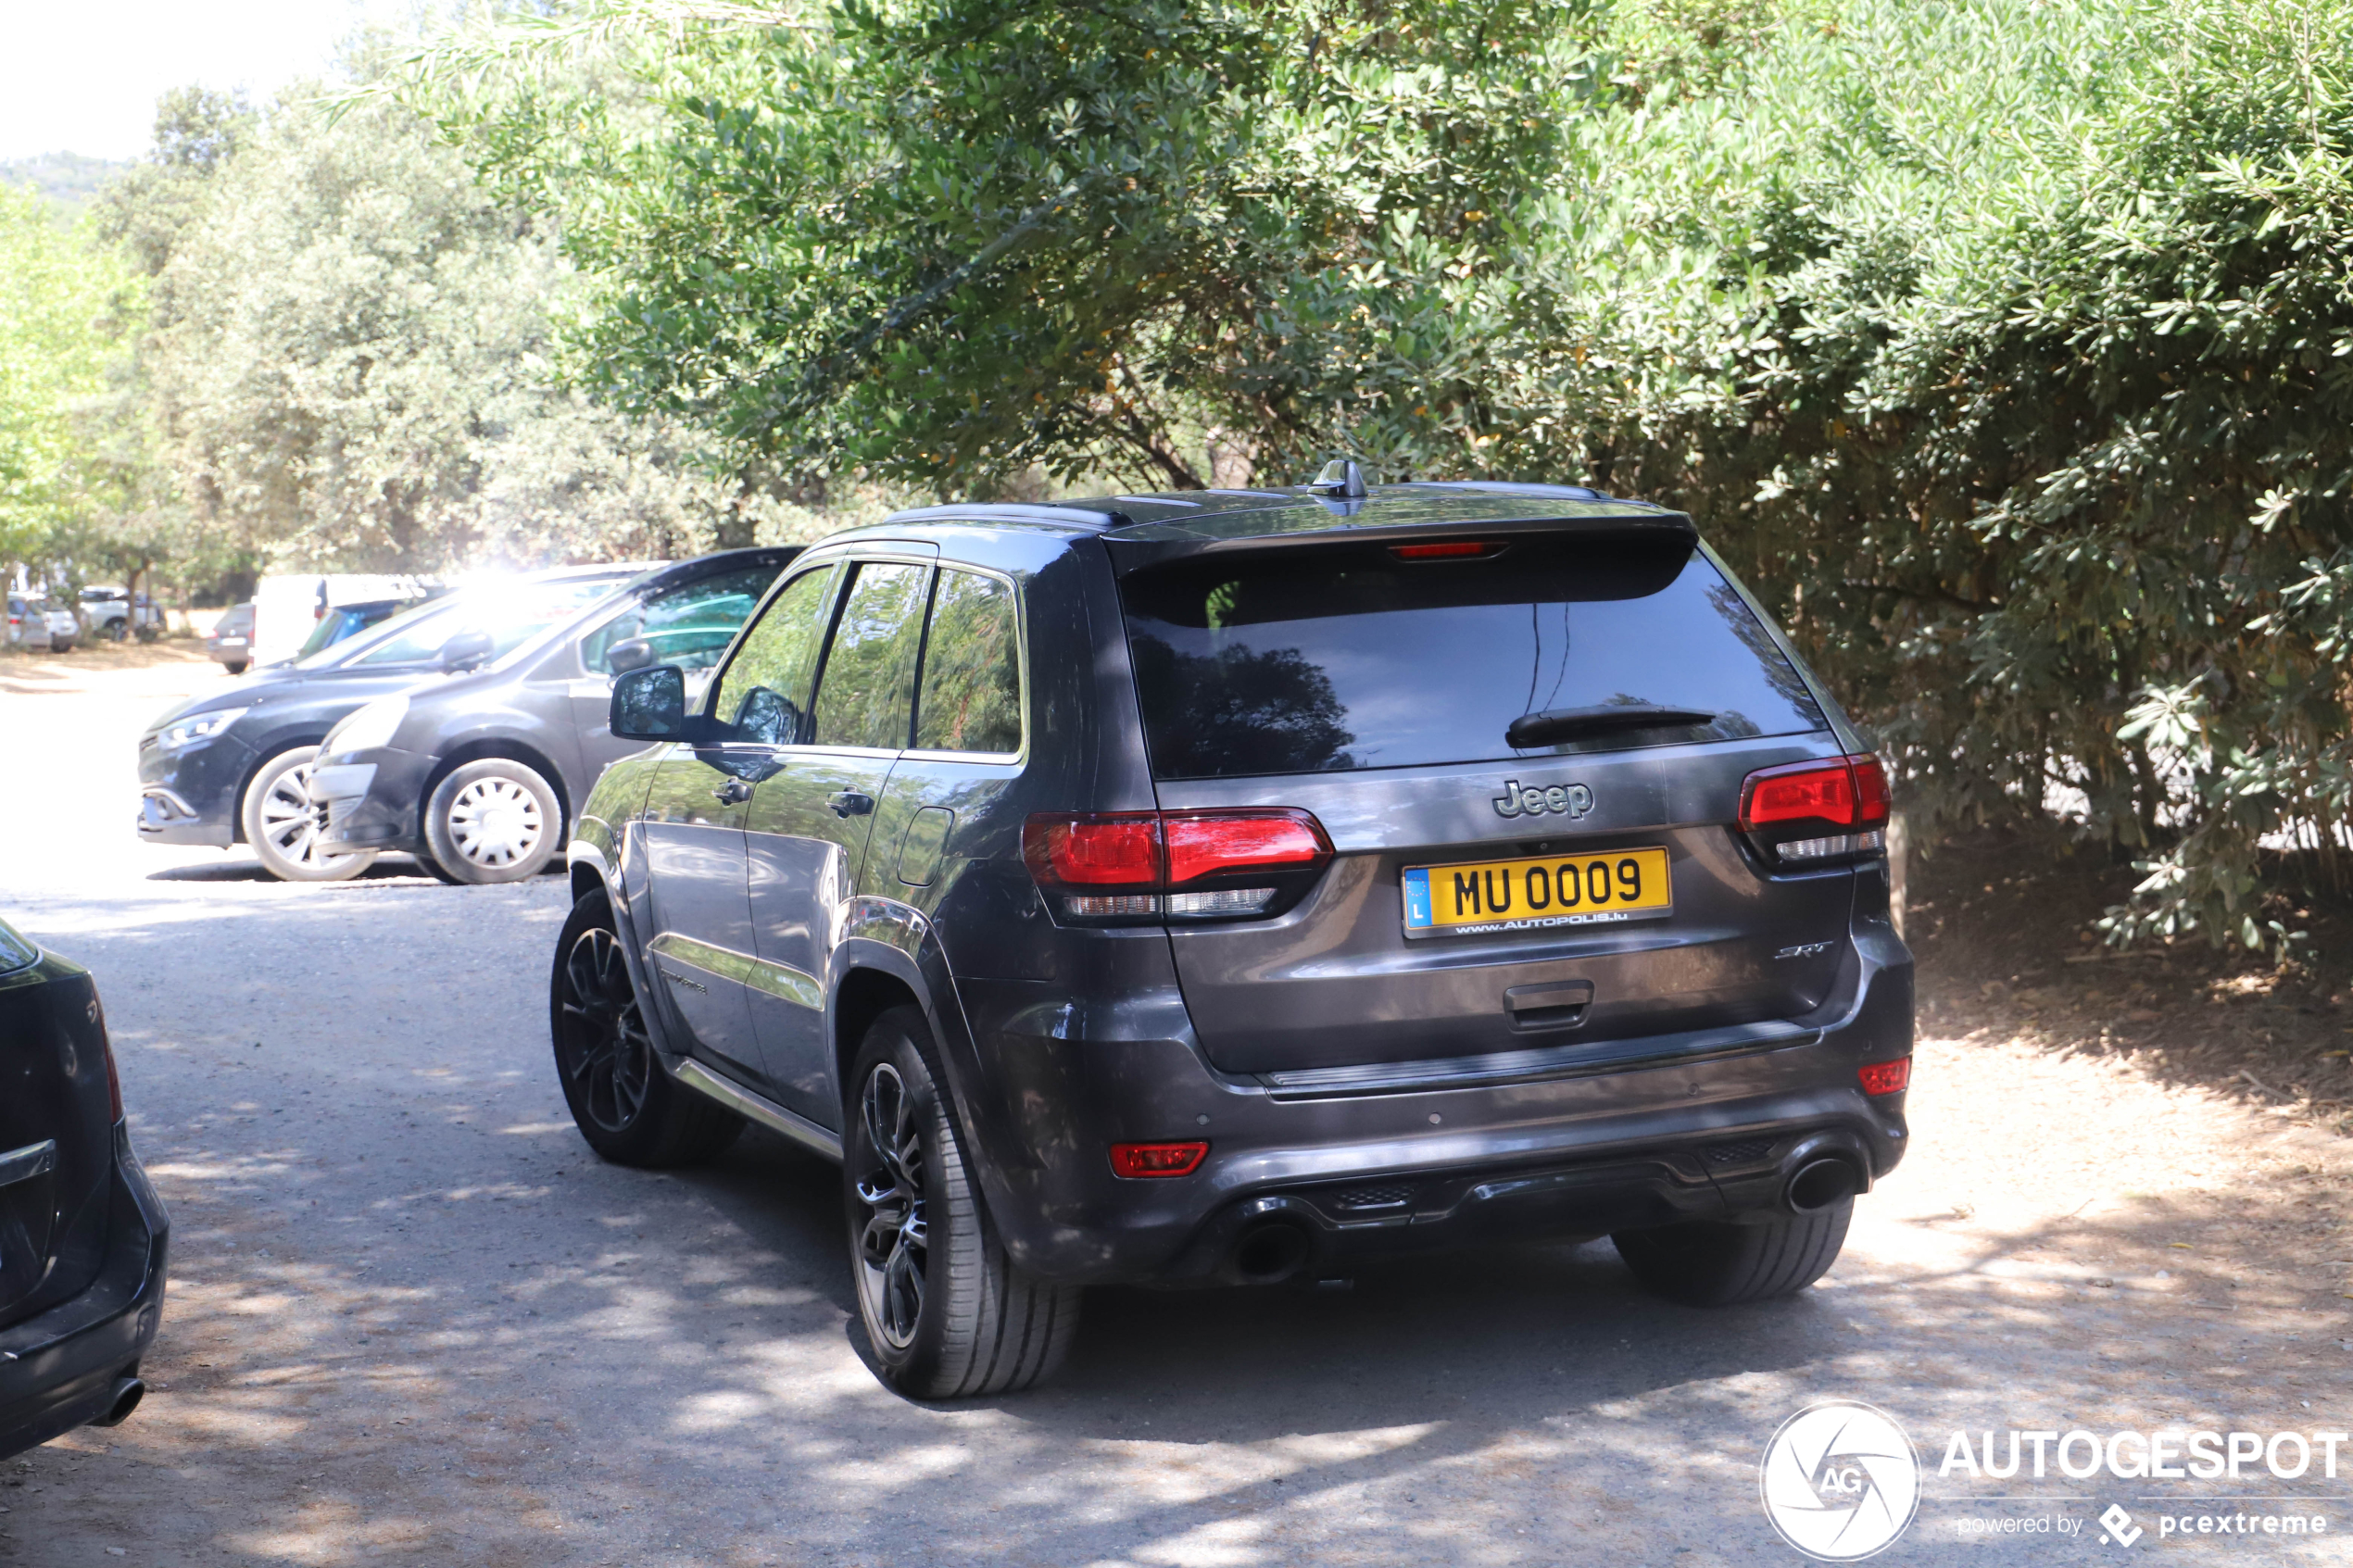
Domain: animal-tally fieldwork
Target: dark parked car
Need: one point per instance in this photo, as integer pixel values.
(1230, 885)
(234, 767)
(477, 775)
(82, 1235)
(230, 643)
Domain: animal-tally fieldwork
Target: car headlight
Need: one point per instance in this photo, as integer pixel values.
(367, 727)
(197, 726)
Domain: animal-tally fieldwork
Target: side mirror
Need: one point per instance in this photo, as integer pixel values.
(631, 653)
(650, 704)
(465, 651)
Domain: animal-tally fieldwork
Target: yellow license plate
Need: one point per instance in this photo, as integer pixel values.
(1553, 890)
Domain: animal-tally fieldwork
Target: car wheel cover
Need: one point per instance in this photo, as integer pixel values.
(290, 821)
(495, 822)
(607, 1054)
(894, 1242)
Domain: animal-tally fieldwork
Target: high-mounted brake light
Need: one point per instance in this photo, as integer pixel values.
(1189, 865)
(1843, 792)
(1447, 549)
(1133, 1160)
(1885, 1077)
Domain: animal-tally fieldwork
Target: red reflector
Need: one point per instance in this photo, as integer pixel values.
(1101, 851)
(1445, 550)
(1206, 844)
(1886, 1077)
(1157, 1158)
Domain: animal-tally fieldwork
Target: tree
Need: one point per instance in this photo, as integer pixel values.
(352, 360)
(61, 307)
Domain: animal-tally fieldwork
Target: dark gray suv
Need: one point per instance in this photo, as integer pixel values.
(1225, 886)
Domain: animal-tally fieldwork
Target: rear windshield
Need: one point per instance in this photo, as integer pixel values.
(1345, 657)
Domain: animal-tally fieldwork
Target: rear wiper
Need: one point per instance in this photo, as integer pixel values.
(1555, 724)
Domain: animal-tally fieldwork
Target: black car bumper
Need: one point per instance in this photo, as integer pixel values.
(1575, 1140)
(371, 798)
(190, 796)
(58, 1369)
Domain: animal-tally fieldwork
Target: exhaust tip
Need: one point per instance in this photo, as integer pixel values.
(128, 1392)
(1820, 1183)
(1270, 1253)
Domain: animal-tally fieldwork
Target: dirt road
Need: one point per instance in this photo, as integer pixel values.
(413, 1320)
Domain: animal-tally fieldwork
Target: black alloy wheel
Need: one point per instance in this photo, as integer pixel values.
(601, 1044)
(894, 1249)
(623, 1098)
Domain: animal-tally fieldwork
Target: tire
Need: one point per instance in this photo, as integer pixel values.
(61, 644)
(235, 667)
(947, 1315)
(118, 629)
(432, 868)
(622, 1099)
(493, 820)
(1709, 1264)
(282, 825)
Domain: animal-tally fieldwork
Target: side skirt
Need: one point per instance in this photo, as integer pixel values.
(760, 1109)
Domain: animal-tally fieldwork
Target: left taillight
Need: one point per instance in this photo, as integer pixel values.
(1813, 813)
(1131, 866)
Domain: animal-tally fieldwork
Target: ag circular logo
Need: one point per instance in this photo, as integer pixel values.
(1841, 1481)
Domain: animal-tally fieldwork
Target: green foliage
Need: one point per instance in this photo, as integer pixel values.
(2004, 344)
(60, 308)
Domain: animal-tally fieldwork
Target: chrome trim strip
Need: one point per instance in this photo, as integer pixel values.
(781, 980)
(760, 1109)
(23, 1164)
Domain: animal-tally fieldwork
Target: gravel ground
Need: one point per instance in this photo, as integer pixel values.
(413, 1320)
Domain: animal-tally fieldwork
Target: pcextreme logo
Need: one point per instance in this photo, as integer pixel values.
(1841, 1481)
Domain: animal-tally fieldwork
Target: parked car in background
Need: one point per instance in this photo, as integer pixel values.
(83, 1239)
(1230, 885)
(231, 639)
(350, 619)
(477, 775)
(233, 766)
(119, 614)
(36, 620)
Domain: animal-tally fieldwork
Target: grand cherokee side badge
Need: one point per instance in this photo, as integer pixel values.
(1571, 800)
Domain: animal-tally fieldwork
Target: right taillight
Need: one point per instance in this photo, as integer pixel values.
(1786, 810)
(1130, 866)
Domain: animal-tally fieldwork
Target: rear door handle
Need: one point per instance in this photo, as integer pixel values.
(734, 792)
(850, 803)
(23, 1164)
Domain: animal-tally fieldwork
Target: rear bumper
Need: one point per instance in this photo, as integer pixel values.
(58, 1369)
(1703, 1127)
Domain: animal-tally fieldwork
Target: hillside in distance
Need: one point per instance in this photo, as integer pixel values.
(70, 181)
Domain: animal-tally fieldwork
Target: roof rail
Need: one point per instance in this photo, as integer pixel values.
(1012, 511)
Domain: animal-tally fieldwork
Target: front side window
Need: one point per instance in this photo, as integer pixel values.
(866, 696)
(970, 698)
(764, 692)
(688, 626)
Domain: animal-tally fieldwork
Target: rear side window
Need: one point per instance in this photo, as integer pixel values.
(971, 696)
(764, 694)
(1345, 657)
(866, 695)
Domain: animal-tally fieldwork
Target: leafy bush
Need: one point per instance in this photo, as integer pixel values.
(2002, 344)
